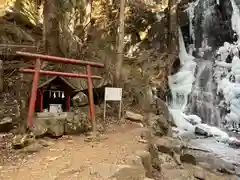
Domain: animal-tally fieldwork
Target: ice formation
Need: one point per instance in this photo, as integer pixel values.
(235, 19)
(181, 86)
(229, 85)
(181, 82)
(226, 77)
(190, 11)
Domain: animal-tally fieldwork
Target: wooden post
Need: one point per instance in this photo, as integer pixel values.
(120, 110)
(41, 100)
(90, 99)
(33, 94)
(1, 76)
(104, 110)
(68, 103)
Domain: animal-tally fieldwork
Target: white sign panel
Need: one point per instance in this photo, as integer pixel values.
(113, 94)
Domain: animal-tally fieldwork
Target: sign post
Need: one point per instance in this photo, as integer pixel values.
(113, 94)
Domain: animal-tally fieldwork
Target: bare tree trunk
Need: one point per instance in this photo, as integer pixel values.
(87, 19)
(51, 27)
(22, 99)
(39, 17)
(172, 33)
(172, 27)
(1, 76)
(51, 32)
(120, 46)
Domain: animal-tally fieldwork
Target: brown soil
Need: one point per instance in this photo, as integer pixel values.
(72, 158)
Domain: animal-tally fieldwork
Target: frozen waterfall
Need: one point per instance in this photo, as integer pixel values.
(206, 89)
(181, 86)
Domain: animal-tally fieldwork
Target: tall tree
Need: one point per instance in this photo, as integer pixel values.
(172, 42)
(172, 26)
(120, 45)
(51, 27)
(87, 19)
(1, 76)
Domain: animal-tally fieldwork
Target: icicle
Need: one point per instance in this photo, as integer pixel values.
(235, 19)
(190, 11)
(54, 94)
(63, 95)
(183, 55)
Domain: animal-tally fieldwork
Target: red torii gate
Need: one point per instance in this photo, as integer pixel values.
(38, 71)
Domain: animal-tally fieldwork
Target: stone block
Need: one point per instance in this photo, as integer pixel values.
(53, 125)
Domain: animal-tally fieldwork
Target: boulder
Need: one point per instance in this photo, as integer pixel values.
(145, 133)
(162, 109)
(199, 173)
(188, 158)
(160, 125)
(235, 143)
(168, 144)
(134, 116)
(52, 124)
(39, 130)
(146, 162)
(21, 141)
(77, 122)
(118, 172)
(80, 99)
(56, 126)
(6, 124)
(201, 132)
(208, 161)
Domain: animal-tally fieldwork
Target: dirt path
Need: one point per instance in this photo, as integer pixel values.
(70, 159)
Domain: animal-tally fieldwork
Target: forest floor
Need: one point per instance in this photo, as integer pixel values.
(72, 158)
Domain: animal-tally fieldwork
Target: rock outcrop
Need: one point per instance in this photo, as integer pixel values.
(182, 154)
(77, 122)
(160, 125)
(138, 167)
